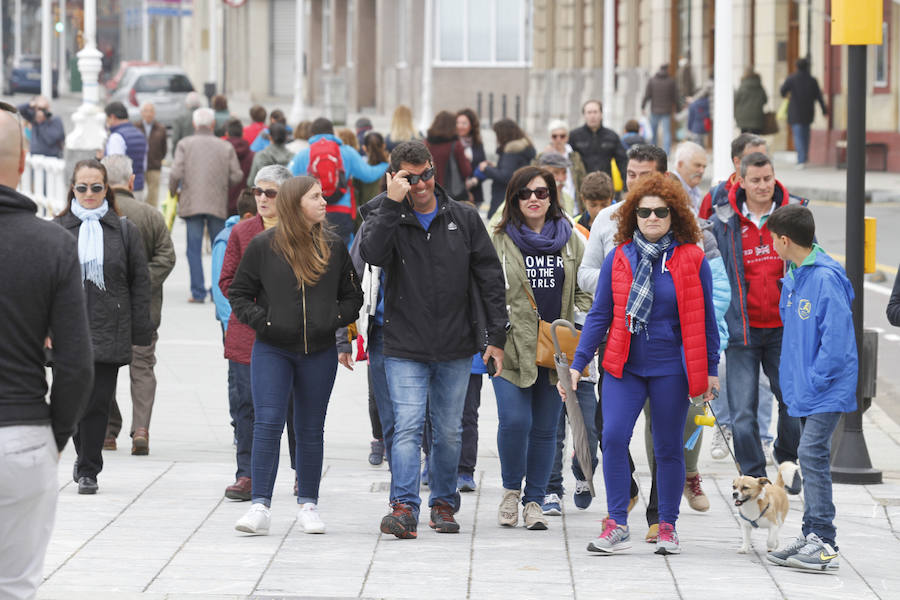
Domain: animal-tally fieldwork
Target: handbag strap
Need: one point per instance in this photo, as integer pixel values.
(531, 300)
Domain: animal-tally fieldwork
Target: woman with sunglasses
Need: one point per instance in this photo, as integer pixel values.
(559, 144)
(117, 289)
(654, 298)
(539, 253)
(295, 286)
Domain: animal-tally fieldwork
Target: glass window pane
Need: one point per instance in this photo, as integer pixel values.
(509, 28)
(479, 31)
(451, 24)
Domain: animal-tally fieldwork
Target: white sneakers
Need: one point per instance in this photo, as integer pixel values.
(309, 519)
(256, 521)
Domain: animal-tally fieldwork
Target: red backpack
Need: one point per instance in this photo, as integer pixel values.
(326, 165)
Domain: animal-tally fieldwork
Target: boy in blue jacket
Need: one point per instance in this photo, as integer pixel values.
(818, 374)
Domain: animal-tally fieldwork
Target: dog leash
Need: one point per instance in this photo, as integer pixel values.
(737, 465)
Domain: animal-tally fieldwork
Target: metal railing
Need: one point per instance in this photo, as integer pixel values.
(44, 181)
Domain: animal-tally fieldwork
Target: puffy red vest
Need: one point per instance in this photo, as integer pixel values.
(685, 269)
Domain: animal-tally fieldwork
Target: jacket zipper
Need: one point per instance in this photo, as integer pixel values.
(305, 344)
(740, 287)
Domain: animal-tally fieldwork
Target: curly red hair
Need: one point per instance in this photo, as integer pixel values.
(669, 190)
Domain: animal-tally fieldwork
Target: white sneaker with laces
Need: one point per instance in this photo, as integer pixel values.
(719, 449)
(309, 518)
(768, 449)
(255, 521)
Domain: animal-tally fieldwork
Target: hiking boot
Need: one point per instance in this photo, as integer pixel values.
(551, 506)
(309, 519)
(140, 442)
(376, 453)
(508, 513)
(533, 517)
(109, 443)
(582, 497)
(465, 482)
(239, 490)
(667, 542)
(694, 493)
(87, 485)
(614, 538)
(401, 522)
(719, 447)
(442, 519)
(816, 555)
(652, 534)
(779, 557)
(256, 520)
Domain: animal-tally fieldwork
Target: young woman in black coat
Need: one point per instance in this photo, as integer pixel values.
(117, 289)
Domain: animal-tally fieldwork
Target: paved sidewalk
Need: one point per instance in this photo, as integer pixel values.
(159, 527)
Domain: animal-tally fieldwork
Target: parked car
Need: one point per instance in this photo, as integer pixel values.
(166, 87)
(24, 77)
(113, 82)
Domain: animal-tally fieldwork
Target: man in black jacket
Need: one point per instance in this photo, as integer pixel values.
(803, 91)
(429, 247)
(41, 296)
(597, 144)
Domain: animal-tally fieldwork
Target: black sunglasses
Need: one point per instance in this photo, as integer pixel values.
(541, 193)
(661, 212)
(12, 109)
(82, 188)
(270, 194)
(425, 175)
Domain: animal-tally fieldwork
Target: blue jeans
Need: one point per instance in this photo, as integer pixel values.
(801, 141)
(587, 400)
(240, 406)
(623, 400)
(379, 384)
(666, 121)
(527, 433)
(743, 400)
(274, 374)
(815, 462)
(763, 413)
(441, 386)
(195, 225)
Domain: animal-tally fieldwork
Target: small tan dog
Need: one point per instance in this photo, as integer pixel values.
(762, 504)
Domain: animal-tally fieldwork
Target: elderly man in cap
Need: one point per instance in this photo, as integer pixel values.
(558, 164)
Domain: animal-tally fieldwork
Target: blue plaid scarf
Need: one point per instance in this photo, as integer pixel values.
(640, 299)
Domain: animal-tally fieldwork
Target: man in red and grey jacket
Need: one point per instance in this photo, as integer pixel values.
(754, 324)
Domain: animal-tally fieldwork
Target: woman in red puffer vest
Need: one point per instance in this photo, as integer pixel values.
(654, 298)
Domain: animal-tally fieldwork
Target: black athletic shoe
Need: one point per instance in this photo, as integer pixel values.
(87, 485)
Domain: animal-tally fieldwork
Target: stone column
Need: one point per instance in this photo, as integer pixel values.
(299, 41)
(62, 79)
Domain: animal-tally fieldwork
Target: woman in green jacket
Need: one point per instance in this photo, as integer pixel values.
(540, 254)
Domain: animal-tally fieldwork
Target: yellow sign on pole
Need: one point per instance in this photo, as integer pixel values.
(856, 22)
(869, 246)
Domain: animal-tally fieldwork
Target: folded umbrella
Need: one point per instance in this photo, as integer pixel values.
(573, 410)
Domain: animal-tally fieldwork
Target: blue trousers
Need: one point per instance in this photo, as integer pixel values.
(240, 405)
(195, 225)
(623, 400)
(763, 412)
(815, 461)
(441, 386)
(274, 374)
(379, 387)
(526, 435)
(801, 141)
(666, 121)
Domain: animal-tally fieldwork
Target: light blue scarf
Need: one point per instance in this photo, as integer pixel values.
(90, 242)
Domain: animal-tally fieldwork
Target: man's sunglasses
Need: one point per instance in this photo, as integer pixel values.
(12, 109)
(270, 194)
(425, 175)
(661, 212)
(540, 193)
(82, 188)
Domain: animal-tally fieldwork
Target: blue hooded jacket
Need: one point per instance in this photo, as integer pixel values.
(818, 350)
(223, 308)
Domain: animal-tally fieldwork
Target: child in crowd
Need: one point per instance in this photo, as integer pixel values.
(596, 194)
(632, 134)
(818, 374)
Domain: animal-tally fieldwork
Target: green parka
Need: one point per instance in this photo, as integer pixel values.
(520, 350)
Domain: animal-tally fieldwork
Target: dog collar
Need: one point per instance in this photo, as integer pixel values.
(754, 522)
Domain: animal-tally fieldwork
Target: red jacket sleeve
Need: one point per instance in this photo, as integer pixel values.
(705, 211)
(230, 264)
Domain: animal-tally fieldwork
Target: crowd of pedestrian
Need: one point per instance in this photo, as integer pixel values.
(332, 245)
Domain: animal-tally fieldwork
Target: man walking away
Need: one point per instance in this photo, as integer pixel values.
(803, 90)
(41, 293)
(662, 94)
(160, 260)
(155, 132)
